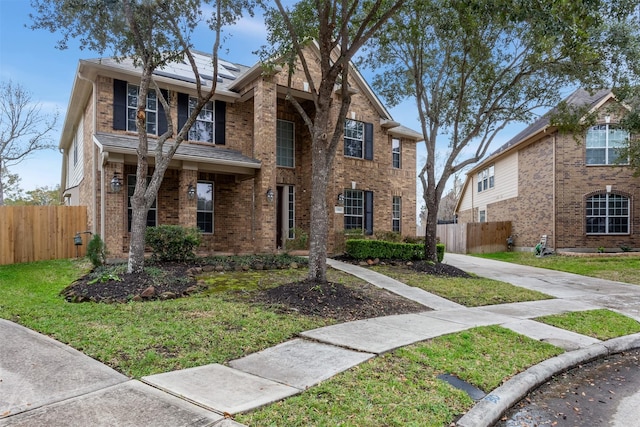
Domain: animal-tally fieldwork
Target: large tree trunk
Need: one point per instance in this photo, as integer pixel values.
(138, 228)
(321, 167)
(431, 230)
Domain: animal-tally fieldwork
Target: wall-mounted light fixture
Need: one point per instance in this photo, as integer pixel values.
(607, 118)
(269, 195)
(116, 183)
(608, 187)
(191, 192)
(340, 199)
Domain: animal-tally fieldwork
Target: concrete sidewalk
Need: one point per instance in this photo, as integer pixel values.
(43, 382)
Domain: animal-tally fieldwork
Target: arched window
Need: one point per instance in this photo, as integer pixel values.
(607, 213)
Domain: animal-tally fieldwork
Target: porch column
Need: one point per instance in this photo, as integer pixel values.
(187, 208)
(264, 119)
(115, 211)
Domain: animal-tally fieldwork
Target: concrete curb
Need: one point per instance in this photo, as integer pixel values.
(489, 410)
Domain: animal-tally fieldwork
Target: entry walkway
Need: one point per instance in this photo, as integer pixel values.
(56, 385)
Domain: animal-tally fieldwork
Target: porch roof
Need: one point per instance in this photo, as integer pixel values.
(203, 157)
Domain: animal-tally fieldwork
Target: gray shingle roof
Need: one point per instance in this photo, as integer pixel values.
(580, 97)
(228, 72)
(204, 153)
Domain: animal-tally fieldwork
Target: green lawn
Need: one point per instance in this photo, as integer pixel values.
(399, 388)
(470, 292)
(624, 268)
(602, 324)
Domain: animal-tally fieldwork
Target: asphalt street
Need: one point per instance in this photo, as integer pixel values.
(605, 392)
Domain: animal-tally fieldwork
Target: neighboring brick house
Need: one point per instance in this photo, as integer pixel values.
(564, 186)
(249, 142)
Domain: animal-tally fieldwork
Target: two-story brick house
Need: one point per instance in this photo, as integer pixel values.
(568, 187)
(244, 176)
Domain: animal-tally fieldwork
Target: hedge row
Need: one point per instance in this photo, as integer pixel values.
(363, 249)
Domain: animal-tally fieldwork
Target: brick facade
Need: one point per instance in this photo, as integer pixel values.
(244, 221)
(553, 184)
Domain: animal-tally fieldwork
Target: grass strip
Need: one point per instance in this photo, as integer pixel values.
(470, 292)
(601, 324)
(401, 389)
(622, 268)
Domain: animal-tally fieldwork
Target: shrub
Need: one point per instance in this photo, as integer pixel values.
(362, 249)
(97, 251)
(300, 241)
(172, 242)
(440, 251)
(388, 236)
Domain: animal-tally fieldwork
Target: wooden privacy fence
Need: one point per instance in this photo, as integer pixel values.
(36, 233)
(475, 237)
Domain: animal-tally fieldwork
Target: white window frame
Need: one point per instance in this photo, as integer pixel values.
(205, 119)
(600, 137)
(285, 147)
(396, 153)
(486, 179)
(482, 215)
(607, 210)
(353, 135)
(289, 211)
(201, 205)
(396, 214)
(353, 209)
(151, 110)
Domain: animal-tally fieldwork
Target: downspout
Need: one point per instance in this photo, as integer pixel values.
(94, 167)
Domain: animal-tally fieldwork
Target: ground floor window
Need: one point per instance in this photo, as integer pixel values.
(395, 214)
(358, 210)
(291, 211)
(607, 214)
(205, 207)
(152, 215)
(482, 216)
(353, 210)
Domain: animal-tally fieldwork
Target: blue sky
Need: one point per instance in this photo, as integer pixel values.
(30, 58)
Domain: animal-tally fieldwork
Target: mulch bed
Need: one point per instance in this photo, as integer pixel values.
(329, 300)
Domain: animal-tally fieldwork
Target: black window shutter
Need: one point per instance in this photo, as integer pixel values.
(221, 111)
(368, 213)
(183, 110)
(368, 141)
(162, 117)
(119, 104)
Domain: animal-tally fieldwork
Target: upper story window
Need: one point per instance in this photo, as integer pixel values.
(395, 153)
(151, 109)
(358, 139)
(353, 138)
(486, 179)
(607, 213)
(202, 129)
(603, 143)
(285, 144)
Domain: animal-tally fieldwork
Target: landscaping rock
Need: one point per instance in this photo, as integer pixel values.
(168, 295)
(150, 292)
